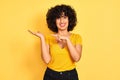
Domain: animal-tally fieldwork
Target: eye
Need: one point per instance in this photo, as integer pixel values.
(65, 17)
(57, 18)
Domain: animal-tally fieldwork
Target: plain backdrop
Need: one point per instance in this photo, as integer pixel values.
(98, 24)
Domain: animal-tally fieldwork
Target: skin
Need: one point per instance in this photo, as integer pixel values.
(63, 40)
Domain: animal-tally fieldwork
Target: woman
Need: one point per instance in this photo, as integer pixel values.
(62, 49)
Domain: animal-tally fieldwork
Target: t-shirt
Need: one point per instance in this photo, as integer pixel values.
(60, 57)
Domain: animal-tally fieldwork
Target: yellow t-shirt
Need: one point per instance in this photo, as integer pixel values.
(60, 57)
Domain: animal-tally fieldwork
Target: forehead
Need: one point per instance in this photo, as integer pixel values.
(62, 14)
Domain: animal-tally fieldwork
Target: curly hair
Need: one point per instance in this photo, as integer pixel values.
(56, 12)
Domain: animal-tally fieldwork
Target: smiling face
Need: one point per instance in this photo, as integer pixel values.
(62, 22)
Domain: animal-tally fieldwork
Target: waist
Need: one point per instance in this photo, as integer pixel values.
(60, 72)
(61, 66)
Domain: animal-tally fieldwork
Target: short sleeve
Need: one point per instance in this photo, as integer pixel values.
(47, 39)
(78, 39)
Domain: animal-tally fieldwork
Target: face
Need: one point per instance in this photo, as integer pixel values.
(62, 22)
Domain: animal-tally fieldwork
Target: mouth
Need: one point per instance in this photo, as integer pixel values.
(62, 24)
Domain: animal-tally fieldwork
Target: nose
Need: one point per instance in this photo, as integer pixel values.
(61, 19)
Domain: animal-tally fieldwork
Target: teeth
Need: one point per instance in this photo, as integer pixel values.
(62, 25)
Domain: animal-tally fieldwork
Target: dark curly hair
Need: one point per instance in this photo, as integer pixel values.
(56, 12)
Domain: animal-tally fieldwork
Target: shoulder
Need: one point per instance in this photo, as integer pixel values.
(49, 36)
(75, 35)
(76, 38)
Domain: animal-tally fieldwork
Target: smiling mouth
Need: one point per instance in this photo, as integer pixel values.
(62, 24)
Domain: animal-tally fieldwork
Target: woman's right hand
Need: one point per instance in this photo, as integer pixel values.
(38, 34)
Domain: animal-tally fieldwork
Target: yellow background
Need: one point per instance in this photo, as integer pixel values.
(98, 24)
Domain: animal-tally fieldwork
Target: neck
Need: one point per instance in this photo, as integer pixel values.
(63, 33)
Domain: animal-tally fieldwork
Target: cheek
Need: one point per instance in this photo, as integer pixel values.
(57, 21)
(67, 21)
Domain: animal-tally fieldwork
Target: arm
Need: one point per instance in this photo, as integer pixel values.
(44, 47)
(45, 51)
(75, 51)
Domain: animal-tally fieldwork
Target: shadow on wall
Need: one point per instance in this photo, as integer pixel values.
(34, 62)
(27, 55)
